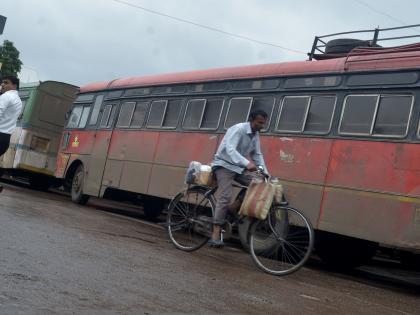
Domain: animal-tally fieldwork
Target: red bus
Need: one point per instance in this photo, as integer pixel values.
(343, 136)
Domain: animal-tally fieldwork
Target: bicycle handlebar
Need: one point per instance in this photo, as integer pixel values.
(261, 171)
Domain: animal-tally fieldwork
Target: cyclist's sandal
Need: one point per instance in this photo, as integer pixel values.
(216, 243)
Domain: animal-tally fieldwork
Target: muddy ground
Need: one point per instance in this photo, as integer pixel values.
(60, 258)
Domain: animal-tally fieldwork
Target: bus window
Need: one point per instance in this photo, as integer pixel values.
(74, 119)
(203, 113)
(256, 84)
(293, 113)
(84, 117)
(139, 114)
(96, 109)
(172, 112)
(157, 111)
(310, 82)
(194, 114)
(358, 113)
(108, 116)
(266, 104)
(238, 111)
(383, 78)
(164, 114)
(393, 115)
(126, 113)
(320, 114)
(212, 113)
(377, 115)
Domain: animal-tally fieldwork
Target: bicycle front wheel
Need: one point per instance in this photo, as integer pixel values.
(189, 219)
(283, 242)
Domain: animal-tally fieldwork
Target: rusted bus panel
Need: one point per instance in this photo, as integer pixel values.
(178, 149)
(301, 164)
(112, 173)
(305, 197)
(95, 168)
(135, 176)
(126, 175)
(133, 145)
(62, 164)
(375, 166)
(297, 158)
(166, 181)
(383, 218)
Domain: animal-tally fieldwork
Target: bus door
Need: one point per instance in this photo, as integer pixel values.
(100, 148)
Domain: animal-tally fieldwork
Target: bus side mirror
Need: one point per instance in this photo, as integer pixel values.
(67, 115)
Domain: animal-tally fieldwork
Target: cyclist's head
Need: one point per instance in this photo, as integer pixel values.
(257, 119)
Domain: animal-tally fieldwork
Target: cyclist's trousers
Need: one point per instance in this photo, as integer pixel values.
(225, 179)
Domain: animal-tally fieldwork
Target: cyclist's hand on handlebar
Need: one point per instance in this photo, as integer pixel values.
(260, 169)
(251, 167)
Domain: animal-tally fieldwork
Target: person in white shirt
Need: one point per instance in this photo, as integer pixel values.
(10, 109)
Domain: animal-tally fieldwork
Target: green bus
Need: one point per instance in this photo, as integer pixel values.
(34, 143)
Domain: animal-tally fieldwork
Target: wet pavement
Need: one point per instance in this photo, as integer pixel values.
(61, 258)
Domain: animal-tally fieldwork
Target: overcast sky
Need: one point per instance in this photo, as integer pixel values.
(83, 41)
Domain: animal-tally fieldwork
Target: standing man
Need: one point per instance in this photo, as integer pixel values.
(238, 155)
(10, 109)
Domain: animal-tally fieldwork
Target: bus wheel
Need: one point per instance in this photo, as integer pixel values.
(243, 232)
(77, 194)
(39, 182)
(343, 252)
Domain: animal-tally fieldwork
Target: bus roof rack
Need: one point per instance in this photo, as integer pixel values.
(336, 46)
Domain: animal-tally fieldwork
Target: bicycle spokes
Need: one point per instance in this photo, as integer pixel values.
(282, 243)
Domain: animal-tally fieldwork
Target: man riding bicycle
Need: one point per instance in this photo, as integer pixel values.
(231, 164)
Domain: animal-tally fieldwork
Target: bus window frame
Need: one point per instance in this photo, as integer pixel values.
(148, 102)
(108, 126)
(98, 100)
(281, 110)
(220, 114)
(131, 115)
(215, 97)
(407, 128)
(230, 103)
(162, 118)
(331, 119)
(270, 114)
(372, 126)
(201, 116)
(83, 106)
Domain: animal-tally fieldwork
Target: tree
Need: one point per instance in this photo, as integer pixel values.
(9, 57)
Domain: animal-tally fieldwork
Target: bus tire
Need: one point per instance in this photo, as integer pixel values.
(78, 179)
(342, 252)
(243, 233)
(344, 45)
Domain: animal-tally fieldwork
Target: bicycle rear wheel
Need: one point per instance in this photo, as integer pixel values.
(189, 219)
(283, 242)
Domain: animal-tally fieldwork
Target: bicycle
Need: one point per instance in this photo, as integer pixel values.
(279, 245)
